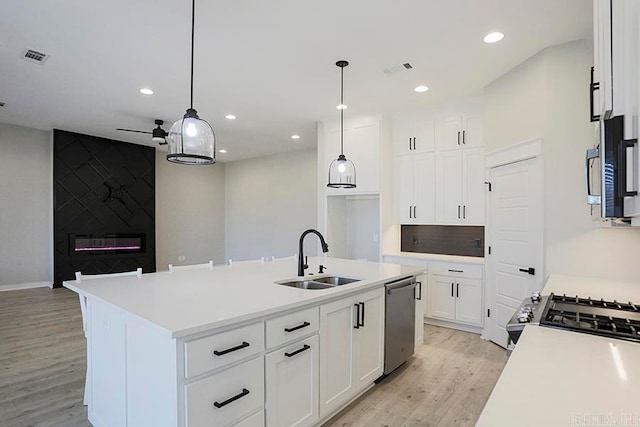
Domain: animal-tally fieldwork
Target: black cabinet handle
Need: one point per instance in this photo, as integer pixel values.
(622, 167)
(232, 349)
(458, 211)
(457, 290)
(357, 326)
(452, 289)
(530, 270)
(232, 399)
(414, 142)
(362, 314)
(295, 328)
(456, 271)
(419, 288)
(414, 213)
(593, 86)
(458, 137)
(409, 144)
(464, 211)
(410, 211)
(463, 134)
(304, 347)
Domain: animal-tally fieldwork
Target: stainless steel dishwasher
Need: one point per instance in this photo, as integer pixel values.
(400, 322)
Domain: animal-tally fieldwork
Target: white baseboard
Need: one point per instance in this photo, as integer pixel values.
(453, 325)
(25, 286)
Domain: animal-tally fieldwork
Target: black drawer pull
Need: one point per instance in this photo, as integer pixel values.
(457, 271)
(295, 328)
(305, 347)
(229, 350)
(232, 399)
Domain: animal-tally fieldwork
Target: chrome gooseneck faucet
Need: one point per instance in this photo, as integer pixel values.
(325, 249)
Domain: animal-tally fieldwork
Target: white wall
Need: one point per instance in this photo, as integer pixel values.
(270, 201)
(26, 212)
(547, 96)
(190, 218)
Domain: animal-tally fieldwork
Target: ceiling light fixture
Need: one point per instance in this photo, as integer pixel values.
(342, 172)
(222, 151)
(146, 91)
(191, 139)
(496, 36)
(421, 89)
(230, 117)
(341, 107)
(295, 136)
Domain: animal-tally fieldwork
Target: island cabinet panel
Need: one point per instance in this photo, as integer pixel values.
(351, 343)
(293, 326)
(255, 420)
(215, 351)
(226, 397)
(291, 376)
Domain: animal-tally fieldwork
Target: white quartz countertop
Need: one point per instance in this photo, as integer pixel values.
(186, 302)
(562, 378)
(437, 257)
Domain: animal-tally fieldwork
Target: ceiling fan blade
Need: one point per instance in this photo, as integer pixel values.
(132, 130)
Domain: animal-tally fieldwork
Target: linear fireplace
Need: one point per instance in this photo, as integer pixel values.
(113, 243)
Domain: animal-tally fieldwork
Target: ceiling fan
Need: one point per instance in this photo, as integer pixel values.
(158, 134)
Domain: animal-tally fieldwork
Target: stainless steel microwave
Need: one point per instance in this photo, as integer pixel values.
(611, 171)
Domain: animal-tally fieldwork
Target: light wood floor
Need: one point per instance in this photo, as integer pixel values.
(42, 368)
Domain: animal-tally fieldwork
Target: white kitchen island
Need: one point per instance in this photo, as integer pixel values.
(228, 346)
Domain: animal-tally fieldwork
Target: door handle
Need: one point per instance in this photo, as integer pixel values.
(457, 290)
(458, 137)
(304, 348)
(464, 211)
(458, 211)
(243, 393)
(452, 289)
(414, 142)
(593, 86)
(592, 154)
(357, 325)
(463, 137)
(530, 270)
(414, 213)
(410, 212)
(409, 144)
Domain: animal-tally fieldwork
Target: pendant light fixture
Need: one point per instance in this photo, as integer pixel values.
(342, 172)
(191, 139)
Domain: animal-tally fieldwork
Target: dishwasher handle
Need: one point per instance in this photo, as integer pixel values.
(400, 285)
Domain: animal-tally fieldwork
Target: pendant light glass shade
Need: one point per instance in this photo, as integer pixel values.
(191, 141)
(342, 172)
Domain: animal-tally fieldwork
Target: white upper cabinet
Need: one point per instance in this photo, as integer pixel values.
(460, 187)
(413, 133)
(361, 146)
(415, 189)
(460, 128)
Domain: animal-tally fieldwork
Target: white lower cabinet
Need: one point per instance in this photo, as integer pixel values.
(291, 376)
(420, 307)
(455, 293)
(226, 397)
(351, 342)
(255, 420)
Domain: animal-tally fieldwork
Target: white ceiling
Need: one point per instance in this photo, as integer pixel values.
(269, 62)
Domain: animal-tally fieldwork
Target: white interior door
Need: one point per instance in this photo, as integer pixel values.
(515, 238)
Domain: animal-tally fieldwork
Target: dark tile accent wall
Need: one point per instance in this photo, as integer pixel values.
(443, 239)
(84, 167)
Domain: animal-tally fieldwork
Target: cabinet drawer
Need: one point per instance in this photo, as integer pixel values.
(291, 326)
(456, 270)
(215, 351)
(255, 420)
(223, 398)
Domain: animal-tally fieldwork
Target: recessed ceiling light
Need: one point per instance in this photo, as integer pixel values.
(295, 136)
(421, 89)
(146, 91)
(341, 107)
(230, 117)
(222, 151)
(493, 37)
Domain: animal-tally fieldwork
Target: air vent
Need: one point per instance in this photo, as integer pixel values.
(2, 104)
(397, 68)
(35, 56)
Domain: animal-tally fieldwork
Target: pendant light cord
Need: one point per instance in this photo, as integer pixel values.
(193, 25)
(341, 110)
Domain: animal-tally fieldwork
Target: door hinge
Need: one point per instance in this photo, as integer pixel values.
(489, 250)
(489, 184)
(488, 312)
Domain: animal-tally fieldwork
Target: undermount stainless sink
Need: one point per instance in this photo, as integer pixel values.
(325, 282)
(336, 280)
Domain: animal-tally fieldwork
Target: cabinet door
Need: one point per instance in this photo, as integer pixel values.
(424, 134)
(420, 308)
(424, 188)
(469, 301)
(603, 56)
(441, 302)
(472, 130)
(450, 133)
(363, 149)
(403, 134)
(291, 376)
(473, 189)
(368, 362)
(337, 321)
(403, 183)
(449, 187)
